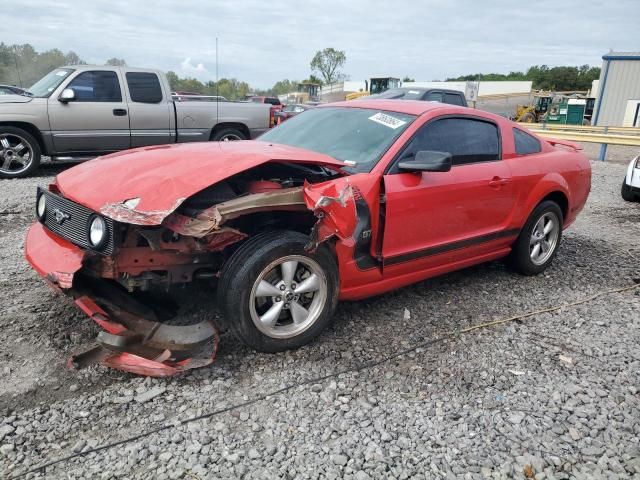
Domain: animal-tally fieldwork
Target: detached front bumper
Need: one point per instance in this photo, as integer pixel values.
(133, 339)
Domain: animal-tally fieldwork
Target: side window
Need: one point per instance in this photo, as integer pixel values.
(96, 86)
(453, 99)
(468, 140)
(433, 97)
(525, 144)
(144, 87)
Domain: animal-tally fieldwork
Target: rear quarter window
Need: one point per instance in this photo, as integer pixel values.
(144, 87)
(525, 144)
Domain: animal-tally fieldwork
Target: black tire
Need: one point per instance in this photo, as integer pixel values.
(228, 134)
(627, 193)
(241, 272)
(528, 118)
(26, 137)
(520, 257)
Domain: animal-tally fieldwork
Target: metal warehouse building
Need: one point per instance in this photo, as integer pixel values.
(618, 99)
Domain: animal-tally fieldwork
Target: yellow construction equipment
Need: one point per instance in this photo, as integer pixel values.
(535, 111)
(375, 85)
(306, 92)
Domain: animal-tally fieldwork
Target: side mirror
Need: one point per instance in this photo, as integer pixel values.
(67, 95)
(427, 161)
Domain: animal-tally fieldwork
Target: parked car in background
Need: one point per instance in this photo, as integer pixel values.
(13, 90)
(452, 97)
(289, 111)
(349, 200)
(631, 183)
(84, 111)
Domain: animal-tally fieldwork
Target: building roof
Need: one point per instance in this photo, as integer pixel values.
(621, 56)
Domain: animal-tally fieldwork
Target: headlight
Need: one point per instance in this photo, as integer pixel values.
(41, 206)
(97, 231)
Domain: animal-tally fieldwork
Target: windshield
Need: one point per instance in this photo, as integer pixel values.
(47, 84)
(357, 136)
(401, 93)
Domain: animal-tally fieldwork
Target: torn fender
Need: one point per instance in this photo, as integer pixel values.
(347, 208)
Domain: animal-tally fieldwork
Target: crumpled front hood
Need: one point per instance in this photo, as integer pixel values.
(15, 99)
(157, 179)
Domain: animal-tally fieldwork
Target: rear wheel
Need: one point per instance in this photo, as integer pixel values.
(627, 193)
(539, 240)
(528, 118)
(19, 153)
(275, 295)
(228, 135)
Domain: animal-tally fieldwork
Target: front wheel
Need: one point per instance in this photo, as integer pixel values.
(274, 295)
(19, 153)
(539, 240)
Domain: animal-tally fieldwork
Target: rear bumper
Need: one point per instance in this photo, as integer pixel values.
(54, 258)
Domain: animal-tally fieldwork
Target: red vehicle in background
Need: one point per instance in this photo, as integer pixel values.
(349, 200)
(276, 105)
(290, 110)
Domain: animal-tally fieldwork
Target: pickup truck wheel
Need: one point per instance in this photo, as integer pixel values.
(274, 295)
(228, 135)
(539, 240)
(627, 193)
(19, 153)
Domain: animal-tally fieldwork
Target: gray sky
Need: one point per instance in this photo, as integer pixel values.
(265, 41)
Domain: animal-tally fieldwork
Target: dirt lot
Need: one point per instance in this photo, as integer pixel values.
(556, 394)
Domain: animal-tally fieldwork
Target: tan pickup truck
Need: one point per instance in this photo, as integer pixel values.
(79, 112)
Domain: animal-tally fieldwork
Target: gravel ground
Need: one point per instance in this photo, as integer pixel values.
(555, 395)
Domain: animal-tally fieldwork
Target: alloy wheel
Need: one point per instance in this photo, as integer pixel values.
(16, 154)
(288, 296)
(544, 238)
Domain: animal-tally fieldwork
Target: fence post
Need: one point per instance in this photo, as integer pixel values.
(603, 147)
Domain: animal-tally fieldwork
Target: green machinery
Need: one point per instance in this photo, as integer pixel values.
(571, 111)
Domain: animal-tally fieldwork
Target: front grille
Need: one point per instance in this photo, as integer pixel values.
(73, 221)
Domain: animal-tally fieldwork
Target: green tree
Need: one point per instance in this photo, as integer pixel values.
(116, 62)
(327, 63)
(407, 78)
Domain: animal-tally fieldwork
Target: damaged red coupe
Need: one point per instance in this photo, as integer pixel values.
(344, 201)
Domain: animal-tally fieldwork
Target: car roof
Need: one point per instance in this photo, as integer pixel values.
(410, 107)
(414, 107)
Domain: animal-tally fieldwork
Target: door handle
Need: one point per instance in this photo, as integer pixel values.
(119, 112)
(497, 182)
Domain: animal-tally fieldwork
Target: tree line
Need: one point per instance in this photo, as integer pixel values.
(22, 65)
(544, 77)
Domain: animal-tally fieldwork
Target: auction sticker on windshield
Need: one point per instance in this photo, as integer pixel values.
(387, 120)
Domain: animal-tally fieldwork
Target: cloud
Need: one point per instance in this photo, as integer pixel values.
(187, 68)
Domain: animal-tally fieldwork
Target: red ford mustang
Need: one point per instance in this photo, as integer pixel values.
(344, 201)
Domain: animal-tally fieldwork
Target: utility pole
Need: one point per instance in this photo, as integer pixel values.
(15, 59)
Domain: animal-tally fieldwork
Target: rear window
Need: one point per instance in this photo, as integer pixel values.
(144, 87)
(453, 99)
(525, 144)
